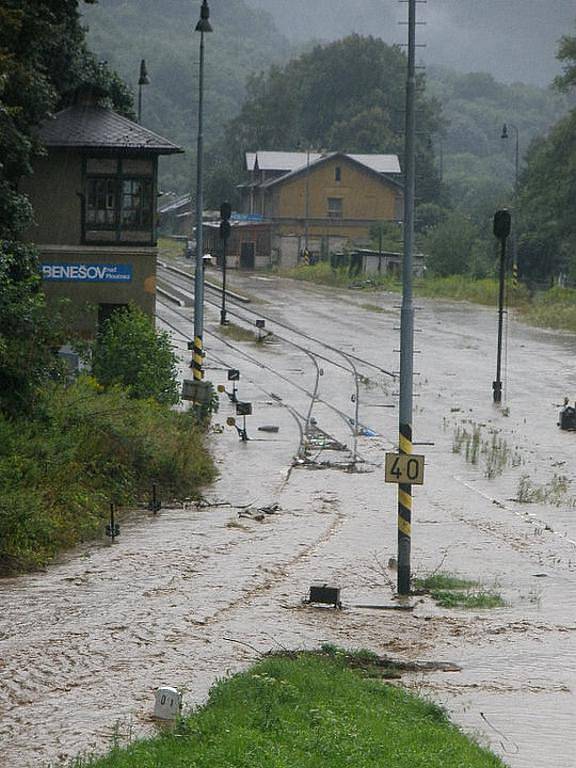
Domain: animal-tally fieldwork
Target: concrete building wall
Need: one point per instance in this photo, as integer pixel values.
(89, 297)
(54, 191)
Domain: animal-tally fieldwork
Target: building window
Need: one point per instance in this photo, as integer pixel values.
(334, 207)
(114, 202)
(338, 173)
(101, 202)
(136, 210)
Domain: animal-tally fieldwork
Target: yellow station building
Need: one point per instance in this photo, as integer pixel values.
(321, 202)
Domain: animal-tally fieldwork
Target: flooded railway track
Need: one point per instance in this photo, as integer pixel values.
(309, 430)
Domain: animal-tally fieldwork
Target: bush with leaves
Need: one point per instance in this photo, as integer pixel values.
(84, 447)
(130, 351)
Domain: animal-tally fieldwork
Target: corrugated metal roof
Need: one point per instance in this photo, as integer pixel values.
(92, 127)
(292, 161)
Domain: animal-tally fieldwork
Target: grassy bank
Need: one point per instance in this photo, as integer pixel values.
(323, 274)
(83, 448)
(308, 711)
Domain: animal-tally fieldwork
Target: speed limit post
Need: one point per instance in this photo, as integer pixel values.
(407, 469)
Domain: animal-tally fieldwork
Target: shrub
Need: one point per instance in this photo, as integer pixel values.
(84, 448)
(129, 351)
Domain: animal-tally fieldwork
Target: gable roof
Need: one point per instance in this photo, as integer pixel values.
(383, 177)
(291, 161)
(93, 127)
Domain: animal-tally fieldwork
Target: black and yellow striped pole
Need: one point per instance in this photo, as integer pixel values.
(198, 359)
(407, 313)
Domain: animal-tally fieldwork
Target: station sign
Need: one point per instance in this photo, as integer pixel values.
(404, 468)
(87, 273)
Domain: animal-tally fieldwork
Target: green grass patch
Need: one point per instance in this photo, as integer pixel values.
(168, 248)
(556, 309)
(323, 273)
(464, 288)
(451, 591)
(471, 600)
(307, 711)
(83, 448)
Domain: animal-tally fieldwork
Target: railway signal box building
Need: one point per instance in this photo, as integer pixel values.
(94, 197)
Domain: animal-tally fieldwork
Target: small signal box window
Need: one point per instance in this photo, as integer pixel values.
(338, 173)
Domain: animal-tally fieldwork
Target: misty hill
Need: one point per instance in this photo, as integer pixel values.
(512, 39)
(244, 41)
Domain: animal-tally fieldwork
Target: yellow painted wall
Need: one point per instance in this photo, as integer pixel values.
(364, 198)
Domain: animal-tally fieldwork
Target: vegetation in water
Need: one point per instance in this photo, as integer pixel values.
(556, 491)
(480, 444)
(451, 591)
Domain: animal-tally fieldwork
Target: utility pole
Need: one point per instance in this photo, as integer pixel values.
(504, 135)
(502, 222)
(225, 213)
(307, 200)
(407, 313)
(198, 352)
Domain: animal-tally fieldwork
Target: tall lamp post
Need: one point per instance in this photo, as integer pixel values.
(505, 135)
(142, 80)
(203, 26)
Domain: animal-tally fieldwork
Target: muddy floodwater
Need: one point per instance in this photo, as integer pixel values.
(196, 592)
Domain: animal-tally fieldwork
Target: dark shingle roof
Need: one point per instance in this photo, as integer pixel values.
(92, 127)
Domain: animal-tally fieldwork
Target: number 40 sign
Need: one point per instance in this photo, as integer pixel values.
(404, 468)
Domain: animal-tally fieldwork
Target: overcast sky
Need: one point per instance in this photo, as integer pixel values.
(512, 39)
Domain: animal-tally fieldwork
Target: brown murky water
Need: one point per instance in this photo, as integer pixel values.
(192, 594)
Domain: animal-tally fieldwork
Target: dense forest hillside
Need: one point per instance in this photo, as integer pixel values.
(244, 40)
(514, 40)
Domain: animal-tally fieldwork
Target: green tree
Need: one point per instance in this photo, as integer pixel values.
(43, 60)
(567, 55)
(129, 351)
(29, 332)
(452, 247)
(547, 246)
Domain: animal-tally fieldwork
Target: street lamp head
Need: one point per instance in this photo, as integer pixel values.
(204, 23)
(504, 132)
(144, 79)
